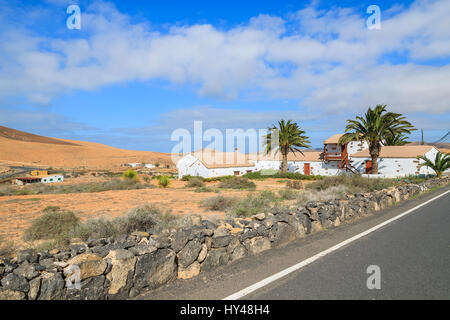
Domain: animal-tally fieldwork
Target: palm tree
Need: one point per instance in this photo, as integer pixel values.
(395, 140)
(290, 139)
(439, 165)
(374, 128)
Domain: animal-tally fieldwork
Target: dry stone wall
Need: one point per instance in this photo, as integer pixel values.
(125, 267)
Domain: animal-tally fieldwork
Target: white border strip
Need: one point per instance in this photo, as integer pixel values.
(304, 263)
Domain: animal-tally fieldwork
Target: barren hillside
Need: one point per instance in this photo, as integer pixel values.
(22, 148)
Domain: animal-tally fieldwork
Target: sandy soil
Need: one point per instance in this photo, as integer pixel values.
(17, 212)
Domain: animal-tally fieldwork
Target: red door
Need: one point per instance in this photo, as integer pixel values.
(369, 166)
(307, 169)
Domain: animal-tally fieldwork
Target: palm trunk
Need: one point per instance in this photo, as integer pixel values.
(374, 154)
(284, 163)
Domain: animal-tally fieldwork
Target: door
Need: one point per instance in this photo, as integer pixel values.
(368, 166)
(307, 169)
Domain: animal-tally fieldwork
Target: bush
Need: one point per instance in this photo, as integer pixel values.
(195, 182)
(205, 189)
(334, 192)
(270, 173)
(7, 248)
(163, 181)
(288, 194)
(96, 229)
(354, 183)
(130, 175)
(139, 219)
(294, 184)
(237, 183)
(219, 203)
(53, 224)
(251, 205)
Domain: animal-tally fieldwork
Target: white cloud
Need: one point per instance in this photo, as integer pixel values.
(325, 59)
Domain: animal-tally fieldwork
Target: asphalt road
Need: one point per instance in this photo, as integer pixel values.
(413, 254)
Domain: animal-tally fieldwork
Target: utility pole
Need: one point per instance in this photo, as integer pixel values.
(422, 136)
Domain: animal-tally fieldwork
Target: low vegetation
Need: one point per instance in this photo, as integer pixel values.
(269, 173)
(163, 181)
(130, 175)
(53, 224)
(7, 247)
(288, 194)
(237, 183)
(294, 184)
(252, 204)
(41, 188)
(62, 226)
(195, 182)
(353, 183)
(219, 203)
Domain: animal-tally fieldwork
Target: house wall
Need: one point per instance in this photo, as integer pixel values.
(397, 167)
(52, 179)
(316, 167)
(189, 165)
(356, 146)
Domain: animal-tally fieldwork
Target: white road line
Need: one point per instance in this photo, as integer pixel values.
(304, 263)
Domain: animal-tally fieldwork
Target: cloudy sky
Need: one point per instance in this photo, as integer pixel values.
(137, 70)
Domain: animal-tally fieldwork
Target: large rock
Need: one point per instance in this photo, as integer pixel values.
(123, 263)
(220, 241)
(6, 294)
(187, 273)
(27, 270)
(35, 286)
(155, 269)
(179, 240)
(282, 233)
(203, 253)
(15, 282)
(90, 265)
(256, 245)
(215, 258)
(52, 287)
(240, 252)
(189, 253)
(93, 288)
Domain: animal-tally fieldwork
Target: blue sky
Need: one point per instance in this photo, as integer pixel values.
(137, 70)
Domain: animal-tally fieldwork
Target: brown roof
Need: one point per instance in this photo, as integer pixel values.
(213, 159)
(407, 151)
(334, 138)
(297, 156)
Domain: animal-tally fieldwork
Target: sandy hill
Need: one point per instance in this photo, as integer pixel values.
(28, 149)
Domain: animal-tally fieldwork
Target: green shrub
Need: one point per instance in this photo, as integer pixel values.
(288, 194)
(354, 183)
(7, 248)
(163, 181)
(195, 182)
(96, 229)
(219, 203)
(294, 184)
(130, 175)
(186, 178)
(271, 173)
(52, 225)
(237, 183)
(250, 205)
(139, 219)
(205, 189)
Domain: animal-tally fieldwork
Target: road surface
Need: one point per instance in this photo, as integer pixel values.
(412, 253)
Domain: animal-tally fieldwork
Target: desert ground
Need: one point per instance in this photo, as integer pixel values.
(17, 212)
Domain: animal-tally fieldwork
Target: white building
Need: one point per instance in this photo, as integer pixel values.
(353, 157)
(208, 163)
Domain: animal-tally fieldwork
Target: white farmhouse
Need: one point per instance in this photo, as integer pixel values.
(209, 163)
(335, 159)
(396, 161)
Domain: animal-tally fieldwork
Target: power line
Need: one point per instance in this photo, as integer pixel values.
(443, 138)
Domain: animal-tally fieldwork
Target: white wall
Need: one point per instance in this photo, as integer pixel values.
(52, 178)
(397, 167)
(190, 165)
